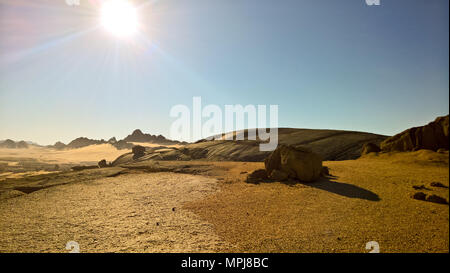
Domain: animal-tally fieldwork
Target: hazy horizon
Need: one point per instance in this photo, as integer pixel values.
(327, 64)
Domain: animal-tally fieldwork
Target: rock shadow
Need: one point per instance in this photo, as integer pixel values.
(340, 188)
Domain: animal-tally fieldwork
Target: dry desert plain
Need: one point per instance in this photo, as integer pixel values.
(204, 206)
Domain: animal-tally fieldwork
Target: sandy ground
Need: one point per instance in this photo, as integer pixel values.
(364, 200)
(128, 213)
(39, 160)
(92, 153)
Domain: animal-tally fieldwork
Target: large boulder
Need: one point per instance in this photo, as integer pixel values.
(433, 136)
(293, 162)
(370, 148)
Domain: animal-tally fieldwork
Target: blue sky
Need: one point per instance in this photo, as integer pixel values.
(327, 64)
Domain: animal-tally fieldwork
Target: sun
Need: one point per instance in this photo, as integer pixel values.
(119, 17)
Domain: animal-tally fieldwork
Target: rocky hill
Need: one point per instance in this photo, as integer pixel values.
(138, 136)
(330, 144)
(433, 136)
(11, 144)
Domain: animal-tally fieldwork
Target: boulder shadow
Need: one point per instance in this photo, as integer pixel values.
(340, 188)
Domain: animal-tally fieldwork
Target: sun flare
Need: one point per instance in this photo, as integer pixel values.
(119, 17)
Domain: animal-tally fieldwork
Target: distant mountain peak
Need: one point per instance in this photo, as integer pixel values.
(139, 136)
(136, 136)
(11, 144)
(137, 132)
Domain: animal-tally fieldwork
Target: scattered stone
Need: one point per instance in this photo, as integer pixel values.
(257, 176)
(436, 199)
(430, 198)
(438, 185)
(419, 196)
(421, 187)
(297, 162)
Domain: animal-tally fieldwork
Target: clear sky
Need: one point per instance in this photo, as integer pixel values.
(326, 63)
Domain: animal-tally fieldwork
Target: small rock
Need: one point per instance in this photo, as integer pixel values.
(257, 176)
(173, 209)
(419, 196)
(421, 187)
(102, 164)
(438, 185)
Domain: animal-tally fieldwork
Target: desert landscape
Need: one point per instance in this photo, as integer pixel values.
(220, 195)
(245, 128)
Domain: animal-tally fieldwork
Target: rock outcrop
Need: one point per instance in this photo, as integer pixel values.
(138, 151)
(293, 162)
(433, 136)
(370, 148)
(102, 163)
